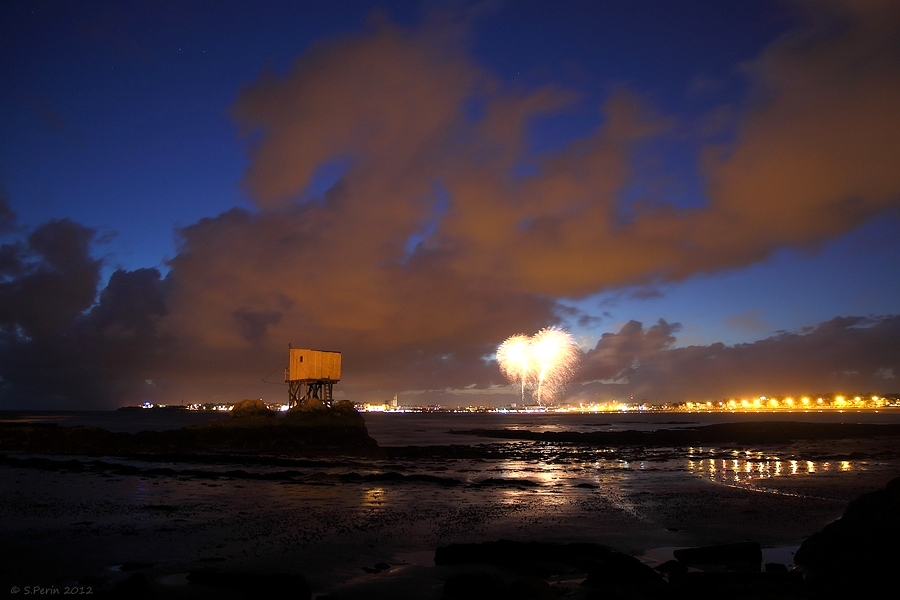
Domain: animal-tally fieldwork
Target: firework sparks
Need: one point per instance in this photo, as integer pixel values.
(544, 362)
(514, 357)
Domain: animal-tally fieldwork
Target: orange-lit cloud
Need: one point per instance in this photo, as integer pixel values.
(844, 354)
(432, 247)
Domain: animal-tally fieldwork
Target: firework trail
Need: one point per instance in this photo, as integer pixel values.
(544, 362)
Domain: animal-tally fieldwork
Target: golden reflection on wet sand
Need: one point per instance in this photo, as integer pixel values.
(748, 467)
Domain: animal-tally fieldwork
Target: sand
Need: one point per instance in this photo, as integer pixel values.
(367, 527)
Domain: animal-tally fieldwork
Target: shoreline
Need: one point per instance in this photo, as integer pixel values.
(73, 518)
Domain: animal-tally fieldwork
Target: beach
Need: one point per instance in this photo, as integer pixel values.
(362, 526)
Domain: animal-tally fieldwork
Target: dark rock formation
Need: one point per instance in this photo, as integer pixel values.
(618, 569)
(857, 555)
(672, 568)
(730, 585)
(273, 586)
(479, 585)
(337, 430)
(530, 588)
(525, 555)
(246, 409)
(743, 556)
(311, 405)
(136, 587)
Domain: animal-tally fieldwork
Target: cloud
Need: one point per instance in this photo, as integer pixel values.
(849, 354)
(432, 246)
(750, 320)
(98, 358)
(48, 280)
(618, 355)
(812, 158)
(62, 345)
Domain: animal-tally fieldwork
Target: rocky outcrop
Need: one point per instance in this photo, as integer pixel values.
(618, 573)
(249, 409)
(274, 586)
(338, 430)
(857, 555)
(540, 556)
(480, 585)
(718, 585)
(742, 556)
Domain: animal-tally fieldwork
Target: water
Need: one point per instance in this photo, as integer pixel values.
(806, 468)
(333, 515)
(128, 421)
(427, 429)
(420, 429)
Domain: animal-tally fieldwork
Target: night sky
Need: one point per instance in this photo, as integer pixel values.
(704, 193)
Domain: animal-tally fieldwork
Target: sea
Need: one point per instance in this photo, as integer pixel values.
(540, 461)
(437, 428)
(337, 514)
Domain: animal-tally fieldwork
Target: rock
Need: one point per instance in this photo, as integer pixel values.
(622, 570)
(257, 585)
(743, 556)
(343, 406)
(719, 585)
(521, 554)
(316, 414)
(479, 585)
(857, 554)
(136, 587)
(134, 566)
(312, 405)
(776, 568)
(251, 408)
(297, 433)
(672, 568)
(530, 588)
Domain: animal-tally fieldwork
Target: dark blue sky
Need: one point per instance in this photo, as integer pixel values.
(121, 117)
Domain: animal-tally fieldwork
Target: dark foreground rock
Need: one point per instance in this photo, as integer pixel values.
(483, 585)
(619, 572)
(341, 429)
(479, 585)
(743, 556)
(720, 585)
(857, 555)
(527, 556)
(716, 572)
(274, 586)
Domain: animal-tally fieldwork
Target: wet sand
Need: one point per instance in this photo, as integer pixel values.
(68, 521)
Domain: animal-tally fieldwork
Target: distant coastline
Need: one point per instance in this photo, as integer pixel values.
(835, 403)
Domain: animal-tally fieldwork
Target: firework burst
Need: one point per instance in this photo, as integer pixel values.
(515, 360)
(543, 362)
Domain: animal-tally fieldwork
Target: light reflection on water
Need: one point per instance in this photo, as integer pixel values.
(749, 466)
